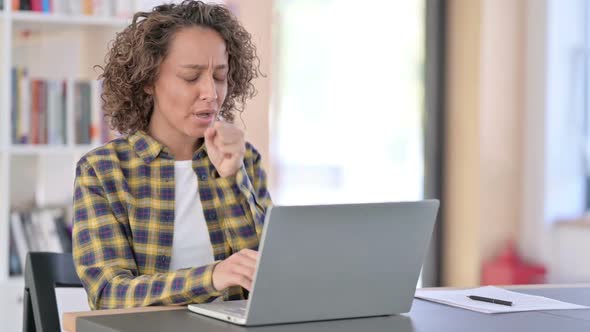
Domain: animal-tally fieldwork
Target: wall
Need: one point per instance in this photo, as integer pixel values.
(502, 109)
(555, 178)
(484, 125)
(256, 17)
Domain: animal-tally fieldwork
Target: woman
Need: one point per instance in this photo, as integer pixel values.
(171, 212)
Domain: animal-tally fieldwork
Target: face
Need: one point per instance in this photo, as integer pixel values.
(191, 84)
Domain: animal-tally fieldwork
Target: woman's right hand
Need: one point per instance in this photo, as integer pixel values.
(236, 270)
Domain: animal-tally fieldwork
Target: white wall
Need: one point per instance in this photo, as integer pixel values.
(553, 167)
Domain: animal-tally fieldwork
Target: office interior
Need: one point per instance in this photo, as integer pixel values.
(483, 104)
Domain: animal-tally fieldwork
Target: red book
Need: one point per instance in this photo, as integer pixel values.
(37, 5)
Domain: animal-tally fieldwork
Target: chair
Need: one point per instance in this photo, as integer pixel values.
(44, 272)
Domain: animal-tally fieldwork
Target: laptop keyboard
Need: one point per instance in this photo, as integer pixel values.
(233, 308)
(238, 312)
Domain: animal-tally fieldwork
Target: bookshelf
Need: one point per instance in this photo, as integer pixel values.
(53, 21)
(50, 47)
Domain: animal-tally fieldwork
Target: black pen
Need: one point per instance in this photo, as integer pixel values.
(490, 300)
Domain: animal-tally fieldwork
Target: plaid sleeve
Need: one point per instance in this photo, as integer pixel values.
(245, 194)
(105, 261)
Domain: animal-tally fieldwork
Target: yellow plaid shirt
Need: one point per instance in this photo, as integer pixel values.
(124, 223)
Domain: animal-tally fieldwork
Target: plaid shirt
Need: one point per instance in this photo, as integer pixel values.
(124, 223)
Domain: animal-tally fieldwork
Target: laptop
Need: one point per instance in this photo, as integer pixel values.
(334, 261)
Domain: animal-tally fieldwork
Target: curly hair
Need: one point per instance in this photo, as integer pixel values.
(136, 53)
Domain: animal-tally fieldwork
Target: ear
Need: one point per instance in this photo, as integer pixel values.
(148, 89)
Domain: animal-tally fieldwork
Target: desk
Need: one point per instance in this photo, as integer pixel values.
(424, 317)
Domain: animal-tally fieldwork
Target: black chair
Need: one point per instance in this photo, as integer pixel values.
(44, 271)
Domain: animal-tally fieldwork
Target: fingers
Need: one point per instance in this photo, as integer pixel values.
(244, 268)
(246, 259)
(244, 271)
(243, 275)
(210, 133)
(242, 281)
(253, 254)
(228, 139)
(229, 144)
(237, 270)
(228, 134)
(232, 149)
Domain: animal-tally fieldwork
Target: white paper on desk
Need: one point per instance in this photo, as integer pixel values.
(520, 302)
(70, 299)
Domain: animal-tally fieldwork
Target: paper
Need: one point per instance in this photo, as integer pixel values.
(520, 302)
(70, 299)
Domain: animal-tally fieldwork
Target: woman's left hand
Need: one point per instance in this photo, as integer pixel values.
(226, 146)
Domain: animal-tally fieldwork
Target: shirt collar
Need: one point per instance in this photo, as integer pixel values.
(148, 148)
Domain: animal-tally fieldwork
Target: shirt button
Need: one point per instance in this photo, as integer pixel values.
(203, 176)
(211, 215)
(200, 155)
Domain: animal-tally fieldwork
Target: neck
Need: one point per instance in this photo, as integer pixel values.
(180, 145)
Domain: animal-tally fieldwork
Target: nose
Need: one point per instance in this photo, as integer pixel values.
(208, 91)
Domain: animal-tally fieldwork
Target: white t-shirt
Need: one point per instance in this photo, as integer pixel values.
(191, 245)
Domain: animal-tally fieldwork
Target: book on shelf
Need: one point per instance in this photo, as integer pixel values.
(39, 229)
(38, 114)
(39, 111)
(90, 124)
(14, 263)
(82, 105)
(104, 8)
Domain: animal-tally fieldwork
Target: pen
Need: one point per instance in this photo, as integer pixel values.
(490, 300)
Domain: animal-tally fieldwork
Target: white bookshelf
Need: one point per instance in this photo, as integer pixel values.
(32, 150)
(52, 21)
(57, 46)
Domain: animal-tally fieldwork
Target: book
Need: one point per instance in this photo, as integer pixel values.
(56, 112)
(15, 106)
(38, 229)
(46, 6)
(59, 7)
(96, 114)
(102, 8)
(36, 5)
(83, 105)
(15, 266)
(18, 233)
(24, 5)
(123, 8)
(40, 110)
(35, 91)
(24, 97)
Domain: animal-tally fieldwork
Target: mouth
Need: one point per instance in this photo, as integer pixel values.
(203, 117)
(204, 114)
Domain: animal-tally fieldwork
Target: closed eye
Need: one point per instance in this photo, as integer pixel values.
(192, 79)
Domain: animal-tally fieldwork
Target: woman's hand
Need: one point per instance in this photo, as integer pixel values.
(226, 147)
(236, 270)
